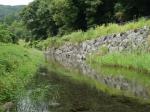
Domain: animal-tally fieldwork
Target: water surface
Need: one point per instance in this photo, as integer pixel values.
(60, 91)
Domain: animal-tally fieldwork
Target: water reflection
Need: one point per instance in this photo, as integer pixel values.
(56, 93)
(117, 81)
(27, 104)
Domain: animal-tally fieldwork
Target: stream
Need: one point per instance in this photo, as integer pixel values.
(76, 87)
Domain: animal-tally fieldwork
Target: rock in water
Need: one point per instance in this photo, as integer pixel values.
(54, 104)
(7, 107)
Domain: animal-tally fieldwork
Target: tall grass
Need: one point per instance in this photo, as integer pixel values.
(17, 66)
(103, 30)
(138, 62)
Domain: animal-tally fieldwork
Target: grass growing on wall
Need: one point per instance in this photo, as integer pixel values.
(17, 66)
(138, 62)
(80, 36)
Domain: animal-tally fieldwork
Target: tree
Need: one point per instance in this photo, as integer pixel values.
(58, 17)
(5, 35)
(135, 8)
(64, 14)
(54, 17)
(38, 19)
(19, 31)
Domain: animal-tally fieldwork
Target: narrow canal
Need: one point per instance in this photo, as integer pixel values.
(57, 89)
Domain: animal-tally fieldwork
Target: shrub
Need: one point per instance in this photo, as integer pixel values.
(5, 35)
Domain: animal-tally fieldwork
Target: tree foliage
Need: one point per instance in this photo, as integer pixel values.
(11, 27)
(6, 10)
(5, 35)
(12, 32)
(57, 17)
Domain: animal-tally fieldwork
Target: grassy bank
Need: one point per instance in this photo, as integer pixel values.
(134, 61)
(80, 36)
(17, 66)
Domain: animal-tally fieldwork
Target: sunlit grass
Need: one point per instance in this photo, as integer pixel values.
(99, 31)
(17, 66)
(139, 62)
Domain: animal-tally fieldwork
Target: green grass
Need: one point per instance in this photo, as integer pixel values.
(99, 31)
(139, 62)
(17, 66)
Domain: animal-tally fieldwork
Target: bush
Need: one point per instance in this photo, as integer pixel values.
(5, 35)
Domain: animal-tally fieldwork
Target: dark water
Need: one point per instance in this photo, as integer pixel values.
(53, 92)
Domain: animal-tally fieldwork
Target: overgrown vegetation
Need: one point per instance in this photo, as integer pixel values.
(17, 66)
(5, 35)
(93, 33)
(12, 28)
(51, 23)
(135, 61)
(69, 19)
(60, 17)
(13, 32)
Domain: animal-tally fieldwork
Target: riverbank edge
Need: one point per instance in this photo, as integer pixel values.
(130, 61)
(27, 63)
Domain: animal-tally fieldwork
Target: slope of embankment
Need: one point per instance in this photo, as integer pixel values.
(130, 46)
(17, 66)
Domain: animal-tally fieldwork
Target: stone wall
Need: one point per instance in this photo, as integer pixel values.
(71, 56)
(126, 41)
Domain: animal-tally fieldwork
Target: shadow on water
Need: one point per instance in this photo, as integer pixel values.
(54, 91)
